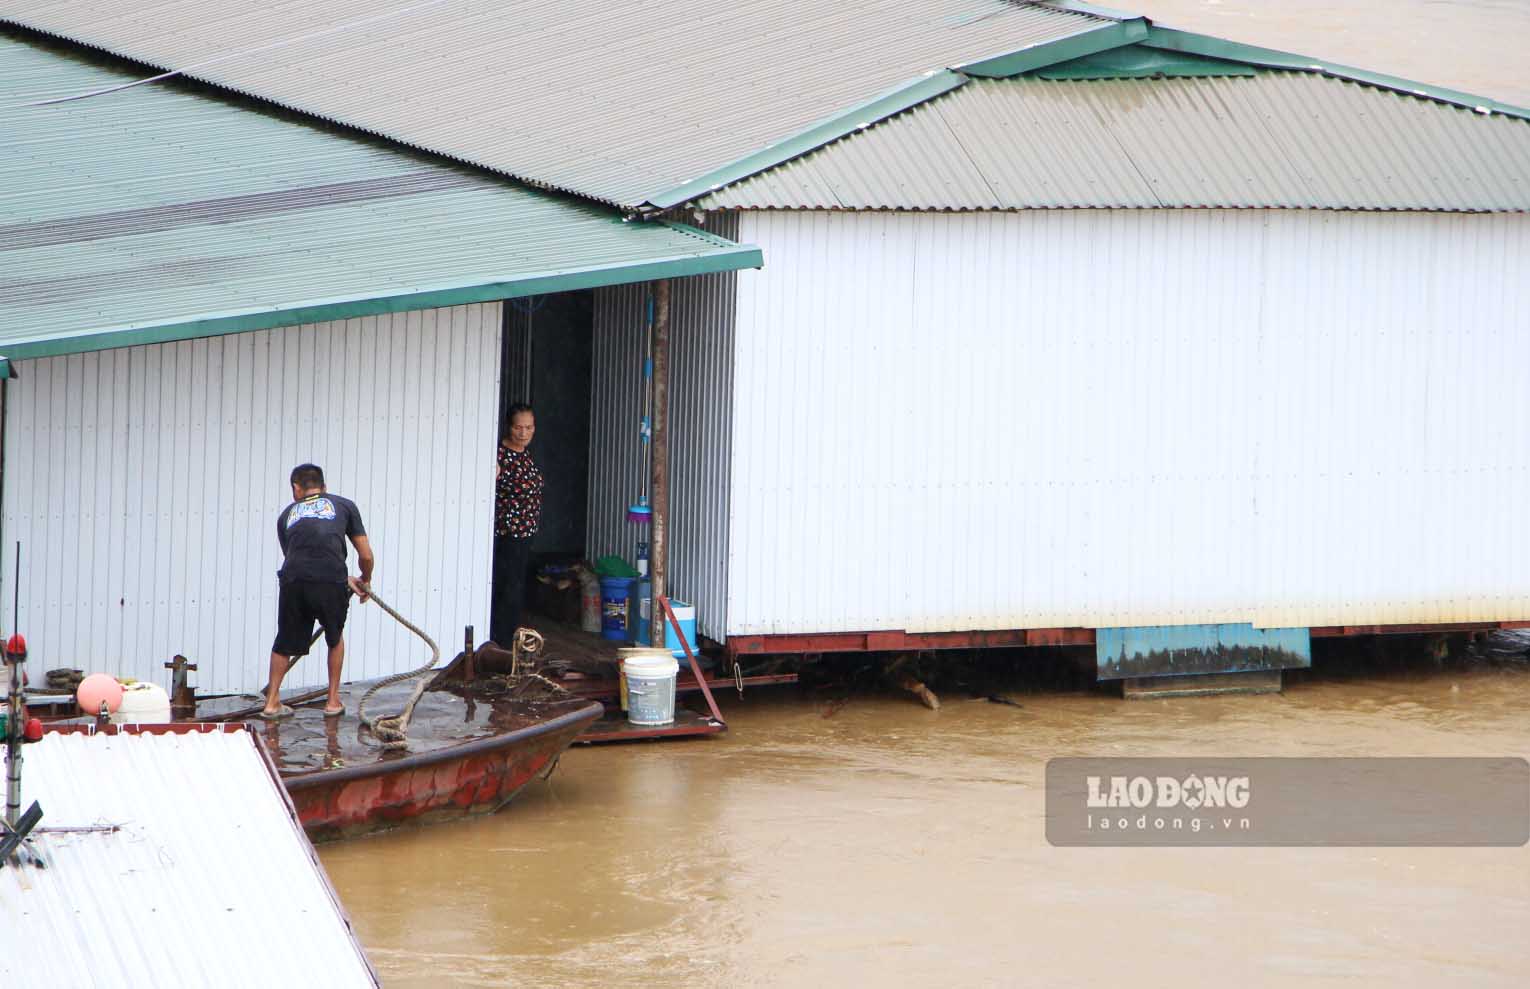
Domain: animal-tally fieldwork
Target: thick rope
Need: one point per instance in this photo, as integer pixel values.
(393, 731)
(526, 647)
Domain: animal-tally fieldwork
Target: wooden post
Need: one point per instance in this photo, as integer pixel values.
(658, 541)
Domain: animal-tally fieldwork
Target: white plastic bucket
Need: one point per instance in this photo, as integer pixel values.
(627, 653)
(143, 704)
(650, 688)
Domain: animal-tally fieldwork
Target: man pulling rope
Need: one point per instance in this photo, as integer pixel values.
(315, 581)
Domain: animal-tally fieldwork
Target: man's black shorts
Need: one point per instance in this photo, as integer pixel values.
(302, 603)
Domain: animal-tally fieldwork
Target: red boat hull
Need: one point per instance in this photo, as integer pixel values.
(475, 777)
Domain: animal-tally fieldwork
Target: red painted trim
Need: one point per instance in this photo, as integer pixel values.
(900, 641)
(1332, 631)
(174, 728)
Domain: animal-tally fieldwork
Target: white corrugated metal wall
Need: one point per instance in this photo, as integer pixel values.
(701, 376)
(144, 485)
(1106, 418)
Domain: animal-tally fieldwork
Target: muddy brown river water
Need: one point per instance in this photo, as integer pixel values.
(890, 845)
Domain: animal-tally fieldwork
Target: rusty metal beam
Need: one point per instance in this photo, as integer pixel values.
(1335, 631)
(662, 603)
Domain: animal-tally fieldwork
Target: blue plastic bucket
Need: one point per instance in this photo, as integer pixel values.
(637, 611)
(685, 614)
(613, 607)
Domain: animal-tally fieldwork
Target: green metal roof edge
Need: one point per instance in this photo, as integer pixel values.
(740, 256)
(711, 238)
(1188, 42)
(1096, 38)
(1141, 62)
(6, 371)
(831, 129)
(1090, 41)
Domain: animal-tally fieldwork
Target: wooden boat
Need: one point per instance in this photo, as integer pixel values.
(471, 749)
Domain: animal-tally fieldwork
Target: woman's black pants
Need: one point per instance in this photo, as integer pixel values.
(511, 554)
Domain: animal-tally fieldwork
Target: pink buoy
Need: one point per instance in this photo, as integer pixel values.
(96, 688)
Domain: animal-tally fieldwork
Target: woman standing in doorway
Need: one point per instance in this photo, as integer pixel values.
(517, 511)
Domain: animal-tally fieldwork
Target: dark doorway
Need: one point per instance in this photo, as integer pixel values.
(546, 363)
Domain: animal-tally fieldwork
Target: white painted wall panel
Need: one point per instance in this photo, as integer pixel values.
(701, 383)
(144, 485)
(1082, 418)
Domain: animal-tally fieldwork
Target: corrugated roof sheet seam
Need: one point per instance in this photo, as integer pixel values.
(717, 99)
(259, 221)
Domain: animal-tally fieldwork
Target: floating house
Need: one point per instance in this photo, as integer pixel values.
(1068, 321)
(197, 294)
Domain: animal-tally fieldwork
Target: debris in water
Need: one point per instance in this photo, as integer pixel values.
(925, 694)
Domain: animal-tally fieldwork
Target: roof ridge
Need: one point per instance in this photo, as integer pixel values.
(1117, 29)
(1122, 29)
(1209, 46)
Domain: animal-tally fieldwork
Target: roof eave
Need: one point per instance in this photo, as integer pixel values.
(728, 257)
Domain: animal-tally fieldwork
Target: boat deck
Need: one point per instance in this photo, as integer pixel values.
(595, 660)
(308, 742)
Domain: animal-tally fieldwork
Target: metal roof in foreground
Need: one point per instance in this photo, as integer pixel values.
(207, 879)
(1249, 138)
(619, 102)
(162, 213)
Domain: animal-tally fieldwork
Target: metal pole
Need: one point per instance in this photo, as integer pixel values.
(13, 743)
(658, 543)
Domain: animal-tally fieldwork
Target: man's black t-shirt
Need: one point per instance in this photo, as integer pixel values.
(312, 533)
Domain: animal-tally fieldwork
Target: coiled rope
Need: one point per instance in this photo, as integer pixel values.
(525, 649)
(393, 731)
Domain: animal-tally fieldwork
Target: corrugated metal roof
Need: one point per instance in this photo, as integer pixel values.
(163, 213)
(616, 101)
(1273, 139)
(209, 881)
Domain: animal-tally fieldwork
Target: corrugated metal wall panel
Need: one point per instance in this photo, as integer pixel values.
(515, 370)
(616, 412)
(701, 417)
(950, 422)
(701, 375)
(144, 484)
